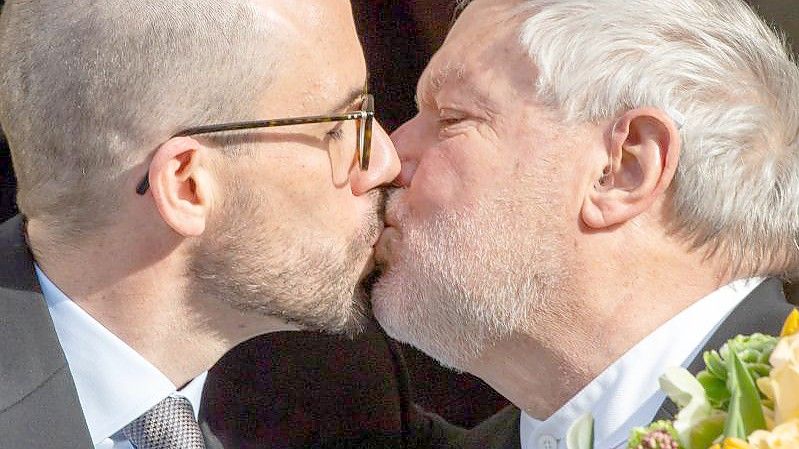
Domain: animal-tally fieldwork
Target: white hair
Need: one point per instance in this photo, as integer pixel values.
(88, 89)
(730, 77)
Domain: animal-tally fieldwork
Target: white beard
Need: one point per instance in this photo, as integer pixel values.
(462, 281)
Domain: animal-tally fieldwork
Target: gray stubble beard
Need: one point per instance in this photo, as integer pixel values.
(309, 283)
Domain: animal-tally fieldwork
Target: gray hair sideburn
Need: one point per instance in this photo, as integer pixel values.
(736, 191)
(88, 89)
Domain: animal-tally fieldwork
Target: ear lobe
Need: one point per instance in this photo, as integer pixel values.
(181, 185)
(644, 147)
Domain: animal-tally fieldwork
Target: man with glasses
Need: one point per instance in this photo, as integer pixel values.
(191, 174)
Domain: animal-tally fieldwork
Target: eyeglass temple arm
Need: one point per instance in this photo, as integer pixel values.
(144, 184)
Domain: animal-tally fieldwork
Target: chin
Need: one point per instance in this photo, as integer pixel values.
(420, 307)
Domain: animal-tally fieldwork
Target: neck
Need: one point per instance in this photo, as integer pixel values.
(138, 291)
(561, 351)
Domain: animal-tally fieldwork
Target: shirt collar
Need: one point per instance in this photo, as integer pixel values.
(627, 394)
(115, 384)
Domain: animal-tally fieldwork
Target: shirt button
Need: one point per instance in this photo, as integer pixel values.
(547, 442)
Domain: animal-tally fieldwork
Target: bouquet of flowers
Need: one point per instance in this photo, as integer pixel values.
(746, 398)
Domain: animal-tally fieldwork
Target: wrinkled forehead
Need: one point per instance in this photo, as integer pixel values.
(482, 55)
(487, 12)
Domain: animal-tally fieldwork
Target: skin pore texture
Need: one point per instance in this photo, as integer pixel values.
(251, 237)
(504, 255)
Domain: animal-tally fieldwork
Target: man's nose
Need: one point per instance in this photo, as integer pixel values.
(384, 164)
(406, 140)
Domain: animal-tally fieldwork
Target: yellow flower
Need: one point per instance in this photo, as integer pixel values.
(732, 443)
(784, 436)
(782, 385)
(791, 324)
(786, 351)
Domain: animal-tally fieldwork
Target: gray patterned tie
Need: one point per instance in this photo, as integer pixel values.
(170, 424)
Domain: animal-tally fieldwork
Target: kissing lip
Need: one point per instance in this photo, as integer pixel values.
(378, 233)
(391, 220)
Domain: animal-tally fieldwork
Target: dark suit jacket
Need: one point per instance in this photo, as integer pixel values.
(366, 406)
(38, 403)
(764, 311)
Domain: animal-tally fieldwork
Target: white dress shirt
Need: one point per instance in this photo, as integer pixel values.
(627, 394)
(115, 384)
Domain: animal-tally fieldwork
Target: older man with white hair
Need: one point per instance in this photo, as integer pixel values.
(191, 174)
(591, 192)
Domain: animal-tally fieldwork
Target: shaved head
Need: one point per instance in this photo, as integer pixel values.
(89, 89)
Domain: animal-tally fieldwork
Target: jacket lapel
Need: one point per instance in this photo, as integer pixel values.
(764, 310)
(501, 431)
(38, 403)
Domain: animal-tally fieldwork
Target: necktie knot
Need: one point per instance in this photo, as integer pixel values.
(170, 424)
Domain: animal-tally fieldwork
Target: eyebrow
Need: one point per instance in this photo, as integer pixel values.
(431, 84)
(353, 97)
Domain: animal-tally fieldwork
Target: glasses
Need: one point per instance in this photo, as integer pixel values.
(363, 118)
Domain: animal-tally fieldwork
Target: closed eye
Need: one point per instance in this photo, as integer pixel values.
(336, 133)
(449, 117)
(444, 122)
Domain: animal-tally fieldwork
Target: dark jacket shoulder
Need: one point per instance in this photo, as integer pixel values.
(501, 431)
(38, 403)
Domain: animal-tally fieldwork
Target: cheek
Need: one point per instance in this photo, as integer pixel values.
(448, 179)
(436, 184)
(300, 199)
(319, 207)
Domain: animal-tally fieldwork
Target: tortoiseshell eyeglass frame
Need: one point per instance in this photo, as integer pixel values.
(365, 117)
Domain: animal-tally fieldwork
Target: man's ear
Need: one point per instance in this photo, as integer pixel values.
(643, 148)
(182, 185)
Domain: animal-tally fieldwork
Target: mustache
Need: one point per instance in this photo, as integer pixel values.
(387, 198)
(382, 203)
(377, 216)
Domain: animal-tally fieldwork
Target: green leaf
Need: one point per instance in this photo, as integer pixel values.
(581, 433)
(704, 433)
(734, 425)
(745, 412)
(714, 364)
(759, 370)
(715, 389)
(748, 355)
